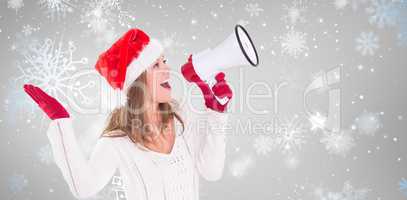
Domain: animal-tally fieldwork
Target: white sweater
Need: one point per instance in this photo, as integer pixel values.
(199, 150)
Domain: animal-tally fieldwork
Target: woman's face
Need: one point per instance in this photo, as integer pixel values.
(157, 81)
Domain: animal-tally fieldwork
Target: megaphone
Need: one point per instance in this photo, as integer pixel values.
(237, 50)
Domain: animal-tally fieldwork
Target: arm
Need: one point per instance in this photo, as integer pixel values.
(211, 152)
(85, 177)
(207, 138)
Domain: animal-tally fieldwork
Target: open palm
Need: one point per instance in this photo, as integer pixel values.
(48, 104)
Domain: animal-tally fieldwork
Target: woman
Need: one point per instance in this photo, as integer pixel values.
(160, 151)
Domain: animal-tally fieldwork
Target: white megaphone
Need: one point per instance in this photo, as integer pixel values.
(237, 50)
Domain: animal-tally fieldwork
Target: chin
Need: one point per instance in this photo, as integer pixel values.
(164, 99)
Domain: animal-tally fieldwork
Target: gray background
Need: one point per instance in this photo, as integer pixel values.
(370, 162)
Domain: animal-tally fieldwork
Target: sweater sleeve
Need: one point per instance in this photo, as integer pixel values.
(85, 177)
(206, 136)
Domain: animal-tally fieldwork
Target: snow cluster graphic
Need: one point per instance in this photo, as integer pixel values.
(349, 192)
(295, 39)
(295, 12)
(51, 66)
(338, 143)
(383, 13)
(367, 43)
(253, 9)
(57, 8)
(294, 43)
(17, 183)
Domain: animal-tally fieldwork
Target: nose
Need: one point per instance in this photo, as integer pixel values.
(166, 70)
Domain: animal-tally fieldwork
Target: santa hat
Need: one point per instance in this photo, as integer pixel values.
(127, 58)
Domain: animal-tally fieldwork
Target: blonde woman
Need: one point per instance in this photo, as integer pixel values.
(159, 150)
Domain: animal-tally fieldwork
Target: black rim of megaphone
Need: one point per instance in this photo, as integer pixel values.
(241, 45)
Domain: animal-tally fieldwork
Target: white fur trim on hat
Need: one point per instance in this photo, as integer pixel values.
(148, 55)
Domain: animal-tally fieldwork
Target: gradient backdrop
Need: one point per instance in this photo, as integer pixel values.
(323, 116)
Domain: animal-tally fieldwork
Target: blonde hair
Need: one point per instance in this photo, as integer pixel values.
(129, 120)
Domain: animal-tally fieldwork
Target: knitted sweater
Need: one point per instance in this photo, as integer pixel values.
(199, 151)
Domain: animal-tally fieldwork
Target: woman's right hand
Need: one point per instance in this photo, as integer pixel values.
(48, 104)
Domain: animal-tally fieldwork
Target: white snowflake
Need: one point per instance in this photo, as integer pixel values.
(45, 155)
(173, 42)
(318, 121)
(294, 43)
(340, 4)
(263, 144)
(368, 123)
(403, 186)
(19, 103)
(51, 67)
(242, 22)
(240, 167)
(367, 43)
(15, 4)
(356, 4)
(253, 9)
(348, 193)
(102, 15)
(402, 24)
(290, 135)
(291, 162)
(338, 143)
(383, 13)
(17, 182)
(28, 30)
(57, 8)
(295, 12)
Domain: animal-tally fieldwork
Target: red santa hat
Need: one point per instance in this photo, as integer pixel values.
(127, 58)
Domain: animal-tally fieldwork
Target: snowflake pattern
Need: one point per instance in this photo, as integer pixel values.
(368, 123)
(356, 4)
(240, 167)
(57, 8)
(51, 67)
(340, 4)
(17, 183)
(253, 9)
(15, 4)
(100, 15)
(263, 144)
(338, 143)
(402, 24)
(45, 155)
(367, 43)
(403, 186)
(173, 42)
(295, 12)
(318, 121)
(290, 135)
(348, 193)
(383, 13)
(28, 30)
(19, 103)
(294, 43)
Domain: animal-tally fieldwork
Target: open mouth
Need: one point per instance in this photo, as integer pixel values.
(166, 84)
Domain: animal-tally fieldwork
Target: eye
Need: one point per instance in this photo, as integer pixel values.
(165, 61)
(156, 65)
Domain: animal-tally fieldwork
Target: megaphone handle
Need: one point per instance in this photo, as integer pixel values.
(210, 99)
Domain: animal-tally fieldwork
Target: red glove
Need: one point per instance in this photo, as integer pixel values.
(220, 89)
(48, 104)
